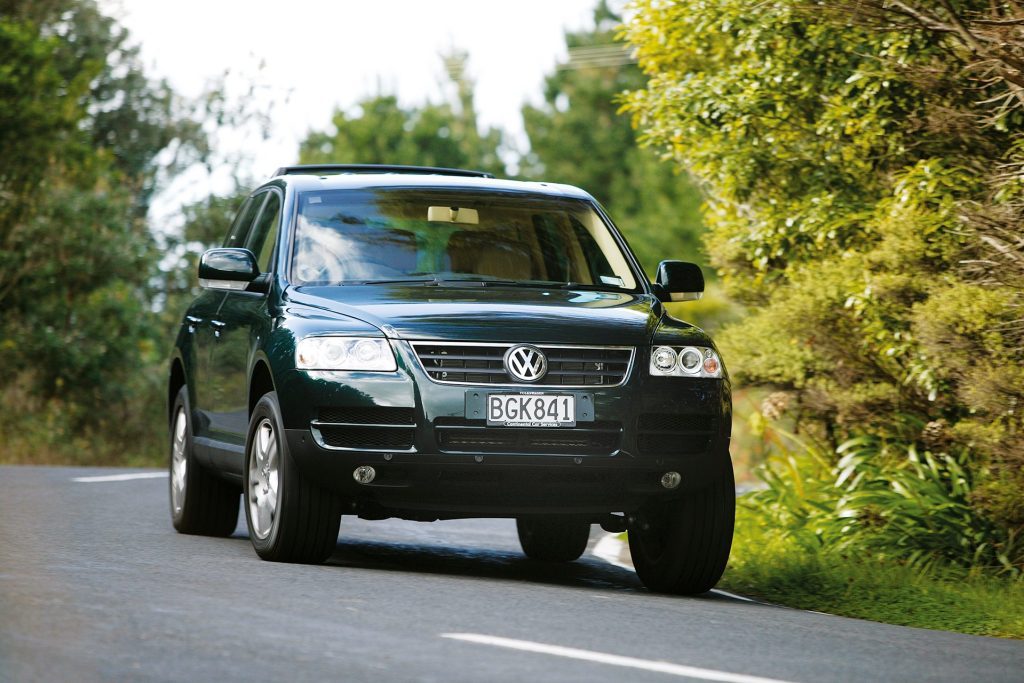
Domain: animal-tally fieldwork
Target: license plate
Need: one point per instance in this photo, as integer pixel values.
(531, 410)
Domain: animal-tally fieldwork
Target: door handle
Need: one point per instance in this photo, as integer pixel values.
(193, 322)
(217, 327)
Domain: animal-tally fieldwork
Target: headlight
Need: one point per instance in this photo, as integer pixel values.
(684, 361)
(663, 358)
(690, 360)
(344, 353)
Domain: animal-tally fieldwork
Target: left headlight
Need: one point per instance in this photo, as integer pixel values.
(345, 353)
(685, 361)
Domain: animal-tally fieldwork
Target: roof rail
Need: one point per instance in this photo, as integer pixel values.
(328, 169)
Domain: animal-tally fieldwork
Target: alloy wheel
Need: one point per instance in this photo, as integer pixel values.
(263, 479)
(179, 461)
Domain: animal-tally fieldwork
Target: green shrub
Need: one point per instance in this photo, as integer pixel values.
(883, 500)
(864, 179)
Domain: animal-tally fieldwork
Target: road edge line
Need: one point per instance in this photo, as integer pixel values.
(609, 548)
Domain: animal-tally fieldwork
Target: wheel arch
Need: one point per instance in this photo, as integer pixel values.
(261, 381)
(175, 381)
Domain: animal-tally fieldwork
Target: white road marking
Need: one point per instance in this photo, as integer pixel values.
(739, 597)
(613, 660)
(121, 477)
(608, 550)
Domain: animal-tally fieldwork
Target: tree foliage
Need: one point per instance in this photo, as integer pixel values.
(81, 128)
(381, 131)
(863, 162)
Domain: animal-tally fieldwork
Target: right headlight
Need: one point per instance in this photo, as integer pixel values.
(684, 361)
(345, 353)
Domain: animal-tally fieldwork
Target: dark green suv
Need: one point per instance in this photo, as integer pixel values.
(431, 343)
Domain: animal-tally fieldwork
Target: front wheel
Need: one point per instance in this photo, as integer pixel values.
(289, 518)
(553, 539)
(682, 546)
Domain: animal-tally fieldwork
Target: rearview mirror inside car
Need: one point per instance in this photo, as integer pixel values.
(452, 214)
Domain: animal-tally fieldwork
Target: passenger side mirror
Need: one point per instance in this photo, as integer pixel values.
(679, 281)
(233, 269)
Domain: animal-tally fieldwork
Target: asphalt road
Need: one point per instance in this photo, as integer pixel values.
(96, 585)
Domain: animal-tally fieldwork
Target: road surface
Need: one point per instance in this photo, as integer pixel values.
(96, 585)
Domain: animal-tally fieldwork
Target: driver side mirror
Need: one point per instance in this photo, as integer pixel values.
(233, 269)
(679, 281)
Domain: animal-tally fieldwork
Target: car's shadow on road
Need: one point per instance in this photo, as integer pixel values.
(469, 562)
(480, 563)
(486, 564)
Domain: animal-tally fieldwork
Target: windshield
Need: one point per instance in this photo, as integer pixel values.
(389, 234)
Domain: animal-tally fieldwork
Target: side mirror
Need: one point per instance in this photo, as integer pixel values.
(679, 281)
(232, 269)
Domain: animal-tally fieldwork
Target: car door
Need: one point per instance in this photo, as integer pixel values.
(197, 351)
(241, 322)
(203, 329)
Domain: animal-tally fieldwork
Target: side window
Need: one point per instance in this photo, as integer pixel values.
(243, 219)
(263, 236)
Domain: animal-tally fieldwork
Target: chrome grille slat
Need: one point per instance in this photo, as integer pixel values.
(581, 373)
(471, 363)
(459, 356)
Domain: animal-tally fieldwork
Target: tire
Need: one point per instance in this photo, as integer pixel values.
(289, 518)
(553, 539)
(682, 546)
(201, 502)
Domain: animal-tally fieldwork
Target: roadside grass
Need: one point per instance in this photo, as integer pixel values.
(26, 448)
(775, 569)
(35, 432)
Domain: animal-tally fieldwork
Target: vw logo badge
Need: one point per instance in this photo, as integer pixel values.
(525, 363)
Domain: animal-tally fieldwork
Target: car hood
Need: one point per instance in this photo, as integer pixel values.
(555, 316)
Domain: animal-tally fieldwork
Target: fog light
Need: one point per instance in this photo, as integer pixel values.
(366, 474)
(670, 480)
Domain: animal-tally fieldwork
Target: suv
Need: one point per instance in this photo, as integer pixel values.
(430, 343)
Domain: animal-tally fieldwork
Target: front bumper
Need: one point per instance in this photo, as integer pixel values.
(445, 463)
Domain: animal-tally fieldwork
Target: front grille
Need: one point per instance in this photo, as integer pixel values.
(577, 366)
(674, 433)
(366, 437)
(673, 422)
(455, 436)
(379, 415)
(552, 475)
(366, 427)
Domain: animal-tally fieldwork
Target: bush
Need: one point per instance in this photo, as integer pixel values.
(864, 174)
(884, 501)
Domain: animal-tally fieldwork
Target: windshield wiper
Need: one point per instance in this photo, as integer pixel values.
(440, 281)
(397, 281)
(488, 282)
(537, 284)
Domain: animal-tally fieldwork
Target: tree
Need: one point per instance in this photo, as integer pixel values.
(578, 137)
(381, 131)
(81, 128)
(853, 154)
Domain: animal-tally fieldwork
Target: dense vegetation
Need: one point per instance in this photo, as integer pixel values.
(81, 128)
(862, 163)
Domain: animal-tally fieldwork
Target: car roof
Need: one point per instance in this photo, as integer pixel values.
(355, 177)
